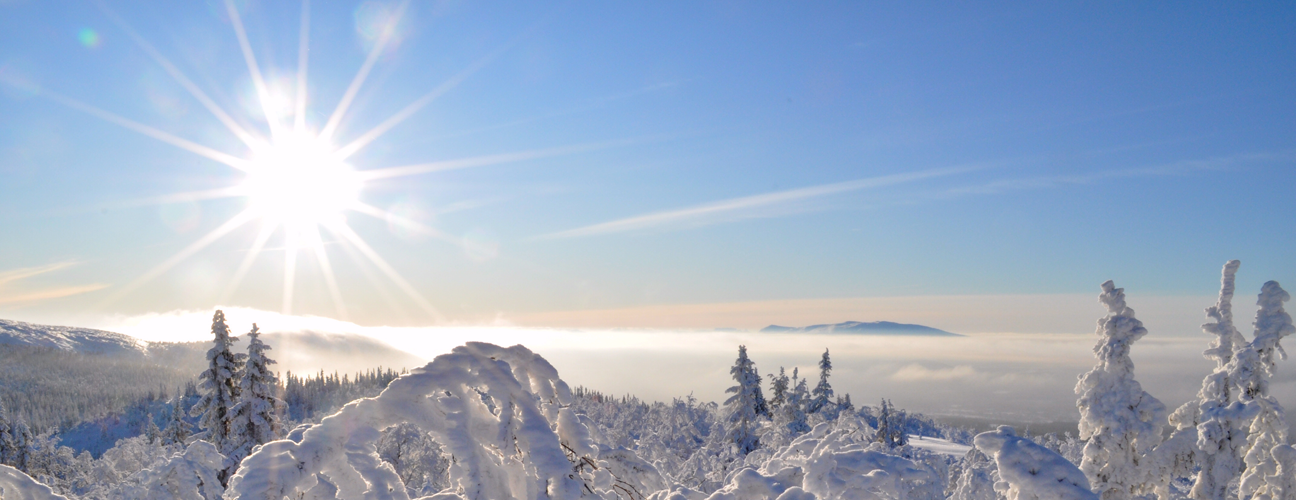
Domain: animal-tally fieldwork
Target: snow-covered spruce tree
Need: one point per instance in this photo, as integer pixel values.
(1120, 421)
(177, 430)
(1222, 419)
(762, 406)
(1255, 366)
(791, 417)
(844, 404)
(220, 389)
(778, 389)
(740, 409)
(822, 394)
(891, 426)
(259, 413)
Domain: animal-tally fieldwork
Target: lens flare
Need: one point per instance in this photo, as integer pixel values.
(89, 38)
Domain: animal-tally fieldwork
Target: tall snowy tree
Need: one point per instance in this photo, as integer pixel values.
(1121, 422)
(258, 414)
(1255, 366)
(740, 409)
(220, 390)
(822, 393)
(1222, 418)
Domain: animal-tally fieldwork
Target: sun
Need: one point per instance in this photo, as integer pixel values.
(300, 182)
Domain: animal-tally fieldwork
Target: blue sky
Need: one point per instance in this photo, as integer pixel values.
(659, 154)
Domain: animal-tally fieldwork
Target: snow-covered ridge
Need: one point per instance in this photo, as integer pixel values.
(69, 338)
(862, 328)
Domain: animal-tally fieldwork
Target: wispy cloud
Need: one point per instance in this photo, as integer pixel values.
(762, 205)
(1176, 168)
(10, 294)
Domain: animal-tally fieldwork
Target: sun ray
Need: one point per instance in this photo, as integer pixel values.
(200, 150)
(326, 268)
(413, 107)
(303, 50)
(259, 243)
(179, 76)
(381, 214)
(290, 270)
(341, 229)
(263, 93)
(487, 160)
(230, 225)
(205, 194)
(377, 284)
(335, 119)
(373, 134)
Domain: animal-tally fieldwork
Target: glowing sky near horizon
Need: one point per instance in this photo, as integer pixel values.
(609, 165)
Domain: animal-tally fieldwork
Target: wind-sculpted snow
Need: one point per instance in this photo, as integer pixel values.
(15, 485)
(1030, 471)
(498, 411)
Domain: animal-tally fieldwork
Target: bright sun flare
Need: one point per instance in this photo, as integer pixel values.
(300, 182)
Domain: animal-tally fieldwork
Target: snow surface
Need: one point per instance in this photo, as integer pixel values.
(938, 446)
(15, 485)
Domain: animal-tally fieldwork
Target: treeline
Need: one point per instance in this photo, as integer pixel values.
(49, 388)
(312, 398)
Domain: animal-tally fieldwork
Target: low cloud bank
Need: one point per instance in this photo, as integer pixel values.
(1012, 376)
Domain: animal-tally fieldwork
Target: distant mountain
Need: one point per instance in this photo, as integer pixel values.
(861, 328)
(69, 338)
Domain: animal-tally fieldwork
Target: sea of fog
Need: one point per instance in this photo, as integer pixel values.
(1017, 377)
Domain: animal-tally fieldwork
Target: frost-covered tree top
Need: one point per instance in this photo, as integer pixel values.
(1254, 368)
(1221, 315)
(1030, 471)
(1121, 421)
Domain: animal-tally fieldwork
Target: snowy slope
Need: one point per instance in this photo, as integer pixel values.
(862, 328)
(939, 446)
(68, 338)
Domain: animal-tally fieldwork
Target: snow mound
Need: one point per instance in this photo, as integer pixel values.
(500, 412)
(1031, 471)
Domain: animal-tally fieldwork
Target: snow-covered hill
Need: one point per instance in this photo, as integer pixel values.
(862, 328)
(69, 338)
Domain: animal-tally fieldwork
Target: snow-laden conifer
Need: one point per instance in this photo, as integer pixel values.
(822, 394)
(259, 412)
(1222, 419)
(778, 389)
(1121, 422)
(1255, 366)
(740, 409)
(791, 417)
(219, 389)
(177, 430)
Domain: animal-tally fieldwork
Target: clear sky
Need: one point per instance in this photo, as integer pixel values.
(657, 157)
